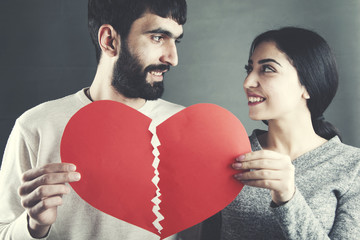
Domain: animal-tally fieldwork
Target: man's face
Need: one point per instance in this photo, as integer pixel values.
(146, 54)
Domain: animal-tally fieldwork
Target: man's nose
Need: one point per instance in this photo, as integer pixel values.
(170, 55)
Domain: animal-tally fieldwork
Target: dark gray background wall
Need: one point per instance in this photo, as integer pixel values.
(46, 53)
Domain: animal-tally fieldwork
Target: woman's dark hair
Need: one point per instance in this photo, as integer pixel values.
(121, 14)
(316, 67)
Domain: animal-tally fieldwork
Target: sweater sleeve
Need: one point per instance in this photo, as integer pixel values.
(297, 220)
(17, 158)
(347, 222)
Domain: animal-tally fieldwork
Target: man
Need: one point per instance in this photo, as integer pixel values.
(135, 42)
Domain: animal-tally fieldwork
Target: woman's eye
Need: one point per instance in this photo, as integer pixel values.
(267, 69)
(248, 69)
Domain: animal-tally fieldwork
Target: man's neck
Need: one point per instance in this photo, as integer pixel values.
(101, 88)
(96, 95)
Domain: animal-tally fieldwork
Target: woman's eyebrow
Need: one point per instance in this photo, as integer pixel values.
(268, 60)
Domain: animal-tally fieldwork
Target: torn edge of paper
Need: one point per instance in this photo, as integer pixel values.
(156, 200)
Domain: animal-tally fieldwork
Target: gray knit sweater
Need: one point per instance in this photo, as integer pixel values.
(326, 204)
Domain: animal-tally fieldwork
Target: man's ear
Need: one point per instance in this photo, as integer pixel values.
(109, 40)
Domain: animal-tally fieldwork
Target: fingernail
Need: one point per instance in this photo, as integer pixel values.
(238, 176)
(72, 167)
(237, 165)
(76, 176)
(240, 158)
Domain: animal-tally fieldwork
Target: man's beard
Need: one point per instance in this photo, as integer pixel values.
(129, 78)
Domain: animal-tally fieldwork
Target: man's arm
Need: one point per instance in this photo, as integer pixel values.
(39, 190)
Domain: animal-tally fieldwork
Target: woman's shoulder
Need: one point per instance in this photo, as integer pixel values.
(333, 155)
(254, 139)
(335, 147)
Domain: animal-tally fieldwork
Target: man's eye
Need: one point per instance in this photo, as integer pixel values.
(157, 38)
(177, 41)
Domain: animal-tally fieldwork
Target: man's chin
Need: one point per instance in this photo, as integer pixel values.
(153, 96)
(148, 91)
(152, 79)
(154, 92)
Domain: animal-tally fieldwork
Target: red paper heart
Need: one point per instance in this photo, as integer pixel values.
(110, 144)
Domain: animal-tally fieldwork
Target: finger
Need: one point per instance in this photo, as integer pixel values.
(259, 175)
(43, 205)
(260, 164)
(49, 168)
(268, 184)
(262, 154)
(42, 192)
(48, 179)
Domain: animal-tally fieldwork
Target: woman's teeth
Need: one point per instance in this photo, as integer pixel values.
(256, 99)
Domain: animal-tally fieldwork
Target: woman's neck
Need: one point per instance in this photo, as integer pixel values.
(291, 139)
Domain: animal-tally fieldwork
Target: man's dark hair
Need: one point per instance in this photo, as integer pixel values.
(121, 14)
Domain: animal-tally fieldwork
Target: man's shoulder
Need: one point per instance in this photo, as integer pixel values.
(55, 109)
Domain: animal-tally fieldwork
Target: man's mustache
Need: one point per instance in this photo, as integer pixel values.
(159, 67)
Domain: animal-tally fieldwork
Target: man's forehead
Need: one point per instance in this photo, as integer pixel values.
(149, 22)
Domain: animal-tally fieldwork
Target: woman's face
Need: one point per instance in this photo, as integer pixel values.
(272, 85)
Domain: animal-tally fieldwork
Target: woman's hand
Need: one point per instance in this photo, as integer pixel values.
(268, 169)
(41, 193)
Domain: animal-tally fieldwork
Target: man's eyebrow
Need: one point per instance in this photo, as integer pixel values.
(165, 32)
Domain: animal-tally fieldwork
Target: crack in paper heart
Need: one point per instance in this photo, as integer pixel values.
(156, 200)
(117, 151)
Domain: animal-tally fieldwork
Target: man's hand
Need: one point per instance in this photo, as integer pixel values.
(41, 193)
(269, 170)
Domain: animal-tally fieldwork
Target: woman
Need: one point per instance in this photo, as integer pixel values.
(301, 181)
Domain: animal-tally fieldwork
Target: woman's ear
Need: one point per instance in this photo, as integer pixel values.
(305, 94)
(109, 40)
